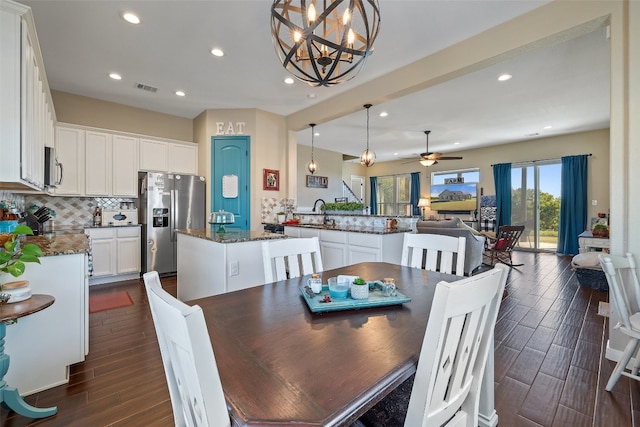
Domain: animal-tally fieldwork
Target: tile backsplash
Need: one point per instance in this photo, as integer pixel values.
(74, 212)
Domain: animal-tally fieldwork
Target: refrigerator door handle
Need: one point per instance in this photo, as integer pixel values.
(172, 217)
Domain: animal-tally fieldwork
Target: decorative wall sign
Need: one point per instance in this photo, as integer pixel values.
(271, 179)
(314, 181)
(457, 180)
(230, 128)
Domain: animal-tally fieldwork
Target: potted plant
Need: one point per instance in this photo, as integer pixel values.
(600, 230)
(359, 289)
(281, 217)
(13, 256)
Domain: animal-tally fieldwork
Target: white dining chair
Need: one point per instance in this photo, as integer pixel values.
(189, 363)
(434, 252)
(624, 290)
(290, 258)
(446, 388)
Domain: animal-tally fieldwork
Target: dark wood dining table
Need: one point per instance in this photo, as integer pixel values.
(281, 364)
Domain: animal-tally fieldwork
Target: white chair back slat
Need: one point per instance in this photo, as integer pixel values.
(190, 366)
(437, 251)
(290, 258)
(455, 349)
(624, 291)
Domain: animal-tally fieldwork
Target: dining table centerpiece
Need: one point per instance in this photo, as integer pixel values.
(13, 256)
(359, 288)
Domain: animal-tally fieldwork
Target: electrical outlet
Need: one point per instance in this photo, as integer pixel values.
(594, 203)
(234, 268)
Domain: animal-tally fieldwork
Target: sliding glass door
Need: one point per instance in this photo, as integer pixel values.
(536, 203)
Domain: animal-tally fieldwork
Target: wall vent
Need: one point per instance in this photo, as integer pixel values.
(147, 88)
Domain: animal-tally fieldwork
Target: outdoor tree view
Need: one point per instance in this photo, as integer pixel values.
(523, 211)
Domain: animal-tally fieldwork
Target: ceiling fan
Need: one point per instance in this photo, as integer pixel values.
(429, 159)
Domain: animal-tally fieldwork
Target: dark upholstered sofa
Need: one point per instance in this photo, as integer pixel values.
(455, 227)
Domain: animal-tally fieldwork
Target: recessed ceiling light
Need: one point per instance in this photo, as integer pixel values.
(115, 76)
(456, 143)
(384, 114)
(547, 127)
(217, 52)
(395, 154)
(289, 80)
(504, 77)
(180, 93)
(131, 18)
(311, 96)
(316, 134)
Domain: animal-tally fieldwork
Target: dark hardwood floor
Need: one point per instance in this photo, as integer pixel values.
(549, 363)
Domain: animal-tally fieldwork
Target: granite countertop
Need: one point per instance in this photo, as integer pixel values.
(230, 236)
(61, 244)
(353, 228)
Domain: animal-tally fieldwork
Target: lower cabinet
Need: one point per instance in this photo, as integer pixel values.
(340, 248)
(43, 345)
(116, 254)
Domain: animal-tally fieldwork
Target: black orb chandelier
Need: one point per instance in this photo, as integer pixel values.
(324, 43)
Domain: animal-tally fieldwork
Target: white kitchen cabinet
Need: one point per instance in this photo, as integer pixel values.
(164, 156)
(26, 107)
(124, 181)
(154, 155)
(103, 246)
(116, 254)
(183, 158)
(43, 345)
(98, 159)
(69, 144)
(127, 250)
(333, 247)
(340, 248)
(96, 163)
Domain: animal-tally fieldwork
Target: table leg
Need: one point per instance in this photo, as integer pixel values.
(9, 395)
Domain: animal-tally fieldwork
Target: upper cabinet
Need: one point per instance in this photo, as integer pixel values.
(103, 163)
(26, 106)
(70, 153)
(172, 157)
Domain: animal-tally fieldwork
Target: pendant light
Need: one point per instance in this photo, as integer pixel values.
(368, 157)
(324, 42)
(312, 166)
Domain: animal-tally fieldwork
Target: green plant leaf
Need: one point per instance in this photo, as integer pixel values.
(22, 229)
(31, 249)
(29, 258)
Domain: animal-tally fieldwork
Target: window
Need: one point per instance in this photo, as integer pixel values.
(394, 194)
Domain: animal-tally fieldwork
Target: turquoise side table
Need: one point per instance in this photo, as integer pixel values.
(9, 395)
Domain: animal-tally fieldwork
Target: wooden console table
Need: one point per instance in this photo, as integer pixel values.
(9, 395)
(588, 243)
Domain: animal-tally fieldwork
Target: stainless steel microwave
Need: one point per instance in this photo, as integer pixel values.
(51, 165)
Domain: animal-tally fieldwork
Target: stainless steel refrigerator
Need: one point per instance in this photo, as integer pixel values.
(167, 202)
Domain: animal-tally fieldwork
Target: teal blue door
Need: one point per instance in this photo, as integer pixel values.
(231, 176)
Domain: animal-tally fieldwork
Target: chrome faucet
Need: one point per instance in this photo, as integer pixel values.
(325, 218)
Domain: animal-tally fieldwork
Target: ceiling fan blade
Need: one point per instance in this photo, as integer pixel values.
(449, 158)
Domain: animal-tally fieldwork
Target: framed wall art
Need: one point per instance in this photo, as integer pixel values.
(314, 181)
(271, 179)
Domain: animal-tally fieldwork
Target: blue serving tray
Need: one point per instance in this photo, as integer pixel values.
(376, 299)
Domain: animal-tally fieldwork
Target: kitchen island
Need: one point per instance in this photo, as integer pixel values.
(211, 263)
(43, 345)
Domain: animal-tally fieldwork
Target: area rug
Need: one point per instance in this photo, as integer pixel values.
(104, 302)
